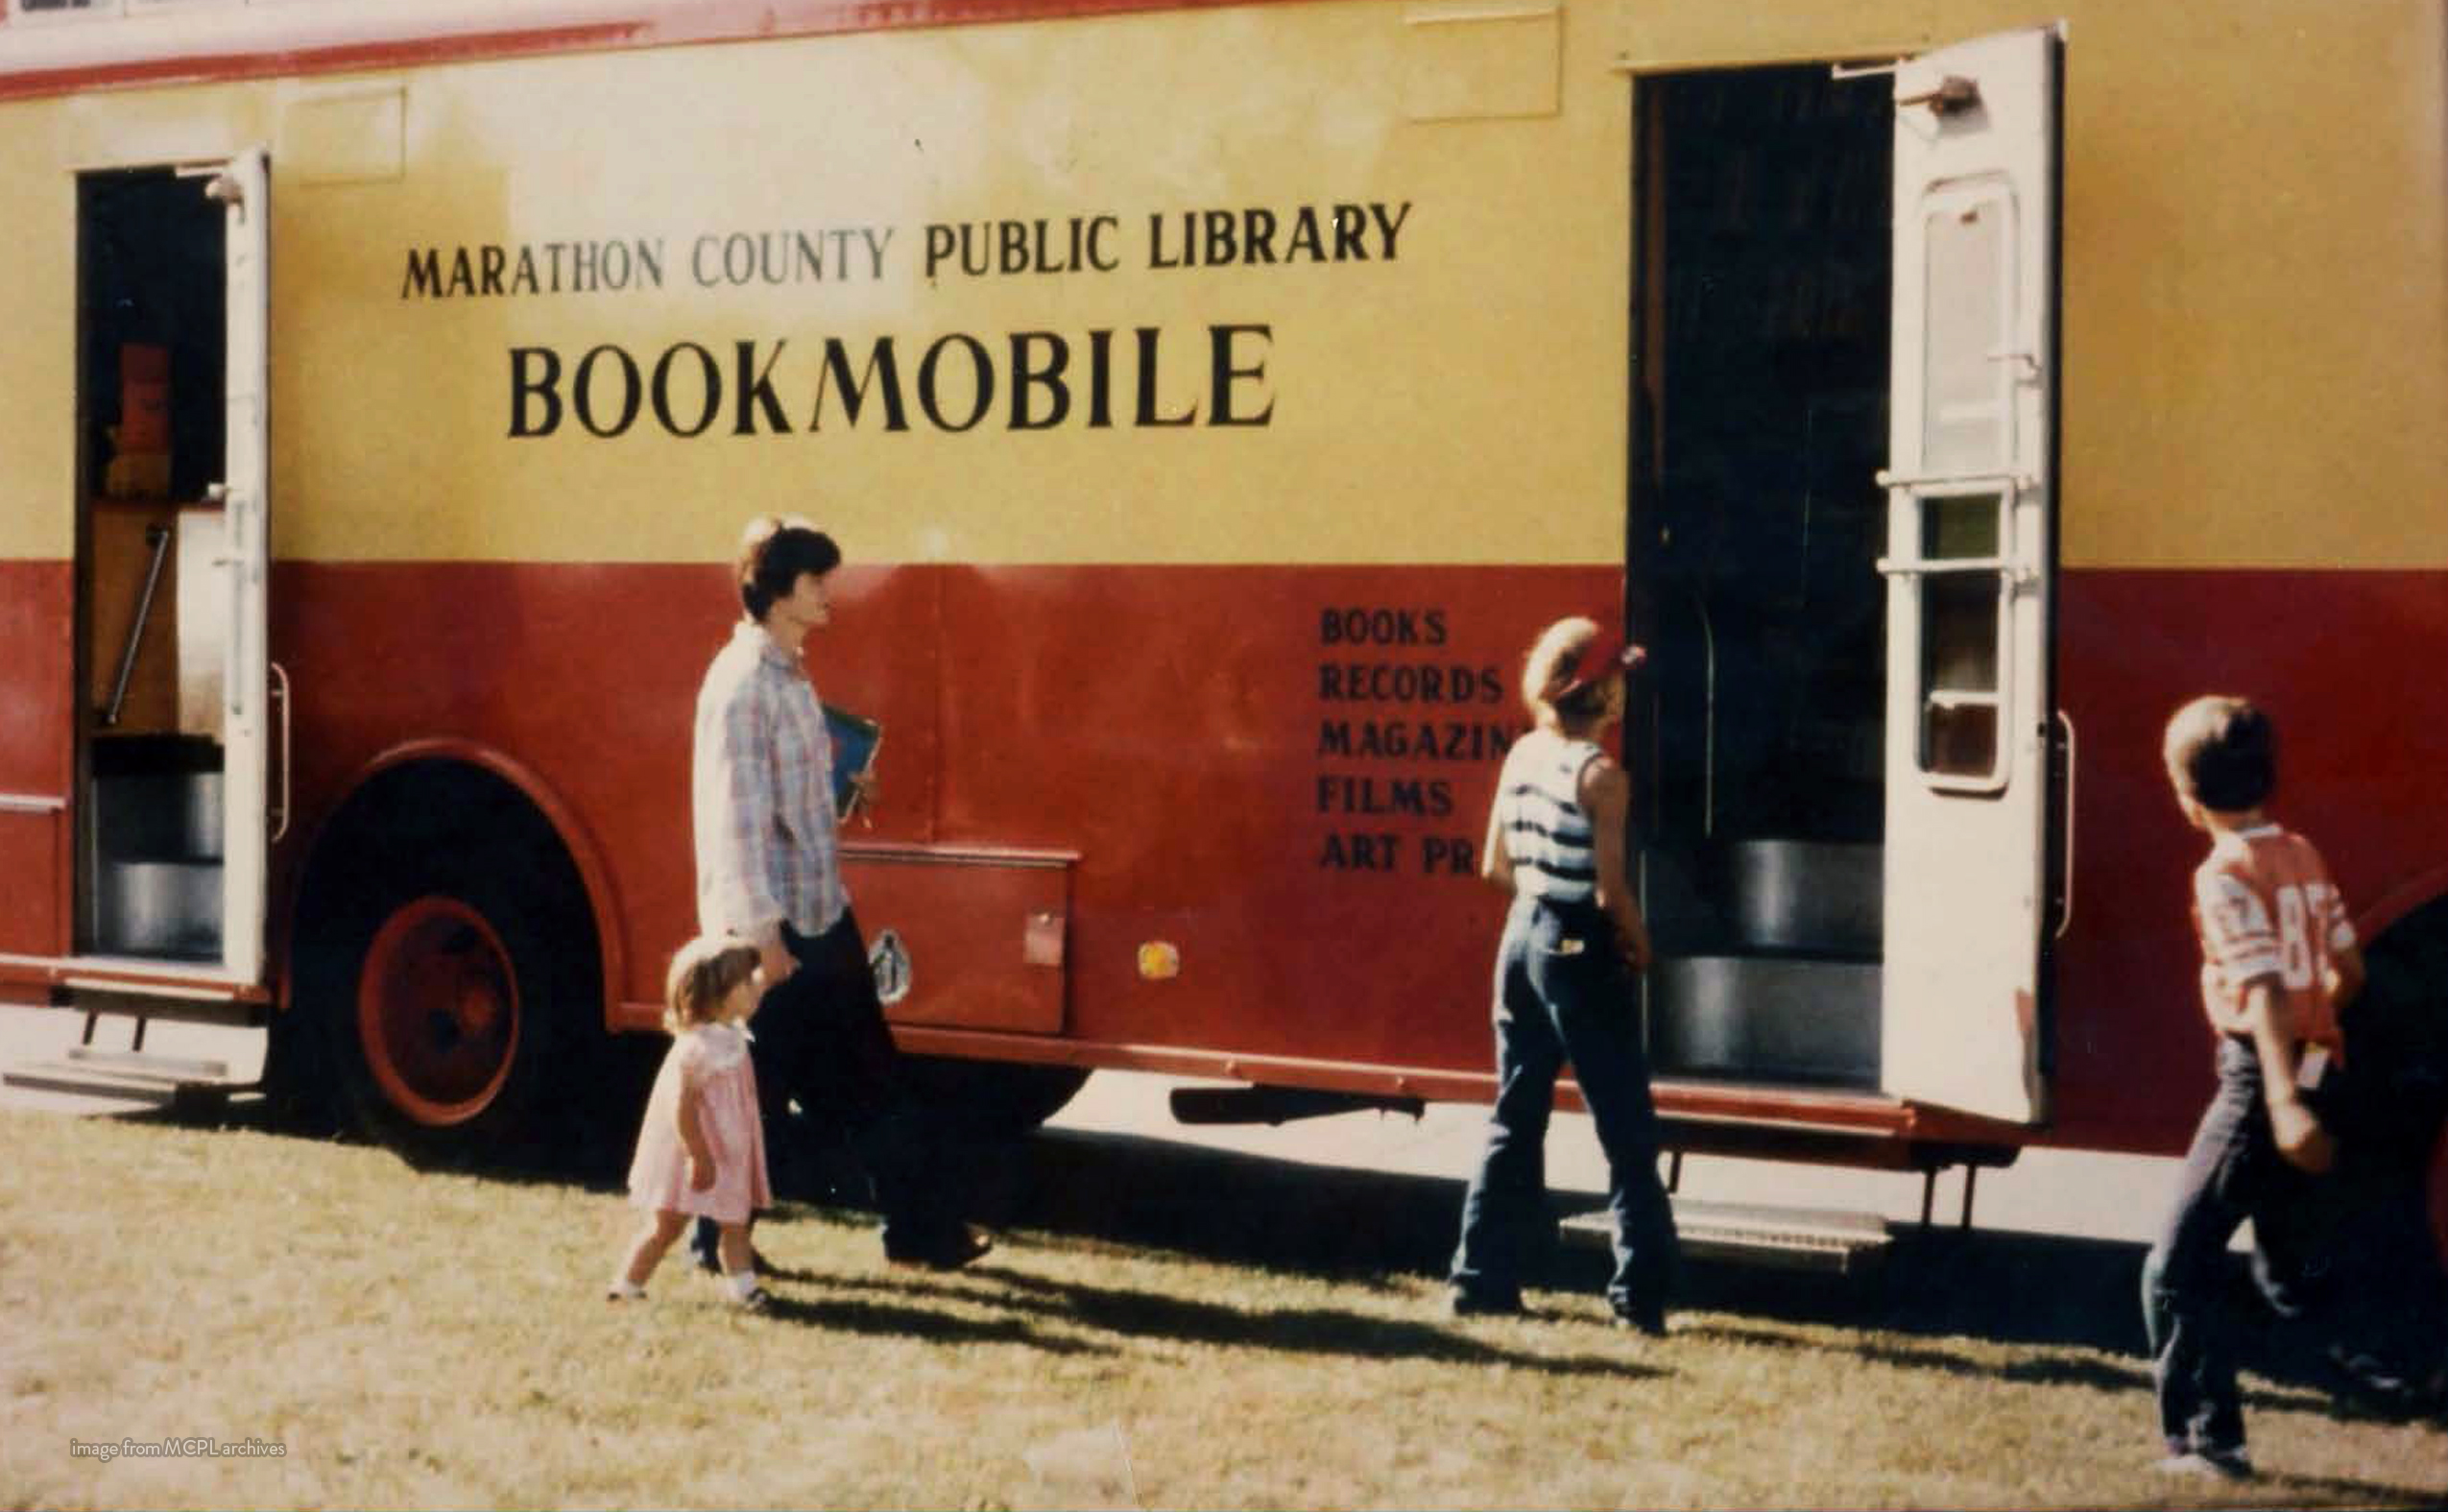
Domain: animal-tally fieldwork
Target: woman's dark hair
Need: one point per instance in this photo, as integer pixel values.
(2223, 753)
(772, 553)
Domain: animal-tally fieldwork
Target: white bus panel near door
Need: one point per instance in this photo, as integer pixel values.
(244, 189)
(1969, 503)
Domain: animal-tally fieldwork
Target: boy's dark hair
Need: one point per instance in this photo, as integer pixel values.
(2223, 753)
(772, 553)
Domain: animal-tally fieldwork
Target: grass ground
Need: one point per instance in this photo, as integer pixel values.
(1158, 1329)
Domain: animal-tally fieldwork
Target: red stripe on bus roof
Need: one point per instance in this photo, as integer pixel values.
(706, 21)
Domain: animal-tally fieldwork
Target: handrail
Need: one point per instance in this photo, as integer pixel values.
(2065, 919)
(1709, 718)
(1944, 566)
(157, 537)
(281, 692)
(2020, 482)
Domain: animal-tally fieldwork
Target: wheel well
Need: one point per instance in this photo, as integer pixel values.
(2402, 1013)
(2397, 1045)
(434, 803)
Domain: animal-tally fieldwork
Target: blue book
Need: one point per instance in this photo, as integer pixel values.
(855, 741)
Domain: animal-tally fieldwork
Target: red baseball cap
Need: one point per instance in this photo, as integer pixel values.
(1602, 658)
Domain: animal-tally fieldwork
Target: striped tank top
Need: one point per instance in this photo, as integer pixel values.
(1547, 831)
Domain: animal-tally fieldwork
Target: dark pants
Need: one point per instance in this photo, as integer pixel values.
(2233, 1172)
(819, 1040)
(1563, 994)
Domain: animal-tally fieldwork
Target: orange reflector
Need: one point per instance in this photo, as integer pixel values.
(1159, 961)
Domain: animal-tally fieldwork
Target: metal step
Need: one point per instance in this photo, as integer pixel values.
(128, 1076)
(168, 906)
(1805, 897)
(144, 1063)
(1794, 1239)
(1765, 1019)
(157, 813)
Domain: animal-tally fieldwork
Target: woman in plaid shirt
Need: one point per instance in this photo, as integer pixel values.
(769, 871)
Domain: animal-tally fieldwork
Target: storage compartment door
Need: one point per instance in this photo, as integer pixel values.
(965, 937)
(1970, 506)
(244, 189)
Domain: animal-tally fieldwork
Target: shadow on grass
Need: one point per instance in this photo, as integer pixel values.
(2036, 1290)
(1311, 1330)
(584, 1139)
(2073, 1370)
(2367, 1492)
(856, 1315)
(1362, 1227)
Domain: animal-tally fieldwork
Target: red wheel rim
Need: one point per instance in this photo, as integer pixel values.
(438, 1011)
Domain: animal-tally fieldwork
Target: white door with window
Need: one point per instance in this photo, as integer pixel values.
(244, 187)
(1971, 496)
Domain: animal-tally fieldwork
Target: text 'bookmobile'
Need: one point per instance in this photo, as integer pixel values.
(1214, 400)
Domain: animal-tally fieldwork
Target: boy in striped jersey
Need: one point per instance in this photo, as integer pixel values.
(2279, 958)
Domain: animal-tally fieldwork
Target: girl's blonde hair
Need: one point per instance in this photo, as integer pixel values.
(702, 973)
(1566, 637)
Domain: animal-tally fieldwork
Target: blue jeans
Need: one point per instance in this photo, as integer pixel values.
(1564, 993)
(2232, 1172)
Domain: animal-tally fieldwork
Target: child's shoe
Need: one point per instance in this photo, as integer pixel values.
(623, 1289)
(745, 1294)
(1462, 1302)
(962, 1246)
(2229, 1462)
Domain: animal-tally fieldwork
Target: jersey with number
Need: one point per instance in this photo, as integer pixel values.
(2264, 907)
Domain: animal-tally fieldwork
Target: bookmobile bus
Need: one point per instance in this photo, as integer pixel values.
(1212, 400)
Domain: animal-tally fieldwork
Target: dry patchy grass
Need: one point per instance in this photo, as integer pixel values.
(429, 1339)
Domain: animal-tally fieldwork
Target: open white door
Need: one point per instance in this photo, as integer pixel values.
(244, 187)
(1970, 507)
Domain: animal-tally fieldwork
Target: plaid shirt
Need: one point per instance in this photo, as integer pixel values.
(762, 790)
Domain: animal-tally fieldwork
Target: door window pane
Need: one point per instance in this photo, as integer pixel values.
(1959, 637)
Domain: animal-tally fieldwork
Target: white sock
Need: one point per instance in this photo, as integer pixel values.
(623, 1287)
(742, 1283)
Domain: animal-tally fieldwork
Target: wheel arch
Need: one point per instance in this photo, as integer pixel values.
(458, 774)
(2423, 893)
(2406, 1007)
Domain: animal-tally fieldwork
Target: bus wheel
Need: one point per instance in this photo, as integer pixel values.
(444, 1020)
(992, 1097)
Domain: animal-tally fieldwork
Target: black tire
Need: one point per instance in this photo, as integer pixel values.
(991, 1098)
(2397, 1106)
(447, 993)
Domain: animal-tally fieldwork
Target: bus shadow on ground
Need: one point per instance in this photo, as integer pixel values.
(1131, 1313)
(2077, 1296)
(2076, 1300)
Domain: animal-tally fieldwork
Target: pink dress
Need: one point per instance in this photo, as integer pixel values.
(713, 1059)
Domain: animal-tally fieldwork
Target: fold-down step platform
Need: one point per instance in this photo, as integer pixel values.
(128, 1076)
(1799, 1238)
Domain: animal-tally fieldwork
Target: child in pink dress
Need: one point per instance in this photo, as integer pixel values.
(701, 1151)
